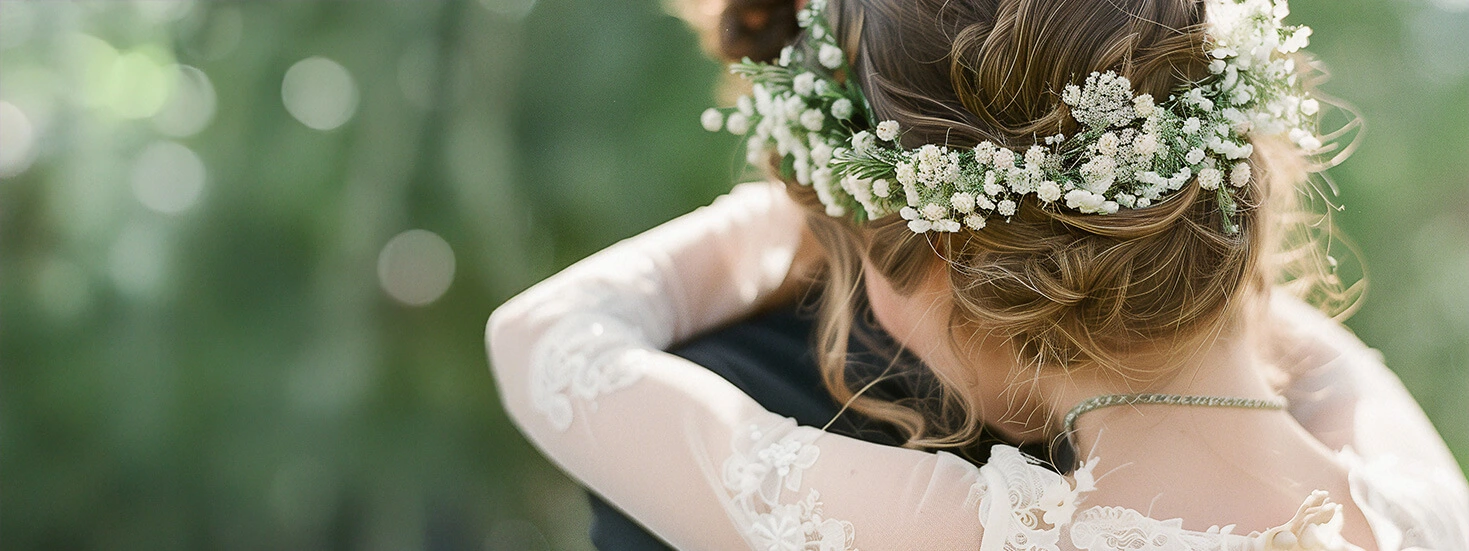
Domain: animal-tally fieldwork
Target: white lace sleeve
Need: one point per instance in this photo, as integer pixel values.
(578, 365)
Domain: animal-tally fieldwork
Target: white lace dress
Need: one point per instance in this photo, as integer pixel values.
(579, 365)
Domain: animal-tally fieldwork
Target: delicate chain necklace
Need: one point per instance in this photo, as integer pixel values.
(1109, 400)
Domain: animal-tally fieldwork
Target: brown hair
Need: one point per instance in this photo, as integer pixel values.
(1067, 291)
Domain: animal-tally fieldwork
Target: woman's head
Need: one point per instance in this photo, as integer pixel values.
(1058, 290)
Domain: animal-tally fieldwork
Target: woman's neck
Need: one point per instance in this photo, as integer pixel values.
(1226, 366)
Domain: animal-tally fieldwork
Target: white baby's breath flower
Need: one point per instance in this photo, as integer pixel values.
(1005, 208)
(919, 226)
(1196, 97)
(1048, 191)
(786, 55)
(1035, 156)
(909, 213)
(830, 56)
(1004, 159)
(1310, 106)
(1239, 175)
(974, 221)
(934, 211)
(1194, 156)
(862, 142)
(841, 109)
(712, 119)
(991, 187)
(984, 152)
(804, 83)
(1107, 144)
(880, 188)
(812, 120)
(1298, 39)
(887, 130)
(962, 202)
(1191, 125)
(823, 86)
(793, 105)
(1144, 105)
(946, 225)
(821, 154)
(1216, 66)
(738, 123)
(745, 105)
(1145, 145)
(1210, 178)
(906, 175)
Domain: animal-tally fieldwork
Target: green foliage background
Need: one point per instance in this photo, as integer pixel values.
(233, 376)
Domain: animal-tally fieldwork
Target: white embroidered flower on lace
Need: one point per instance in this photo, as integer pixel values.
(583, 357)
(767, 461)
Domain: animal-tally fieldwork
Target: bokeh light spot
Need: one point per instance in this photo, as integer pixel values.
(17, 140)
(168, 177)
(139, 83)
(190, 105)
(416, 267)
(320, 93)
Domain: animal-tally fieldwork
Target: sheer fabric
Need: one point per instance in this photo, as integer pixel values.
(579, 365)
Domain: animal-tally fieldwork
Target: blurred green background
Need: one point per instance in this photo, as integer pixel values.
(247, 249)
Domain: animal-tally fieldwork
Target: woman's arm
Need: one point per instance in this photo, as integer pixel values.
(579, 366)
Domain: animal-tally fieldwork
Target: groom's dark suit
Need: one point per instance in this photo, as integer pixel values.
(770, 358)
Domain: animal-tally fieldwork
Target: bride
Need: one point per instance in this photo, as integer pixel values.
(1073, 213)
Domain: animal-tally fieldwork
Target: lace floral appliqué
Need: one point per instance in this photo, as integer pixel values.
(766, 462)
(583, 357)
(1024, 503)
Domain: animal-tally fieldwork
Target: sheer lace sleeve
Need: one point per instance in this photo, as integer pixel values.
(1403, 476)
(578, 365)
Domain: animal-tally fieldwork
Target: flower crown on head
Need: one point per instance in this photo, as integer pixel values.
(1130, 150)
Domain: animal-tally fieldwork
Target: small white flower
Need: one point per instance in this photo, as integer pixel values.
(738, 123)
(1242, 95)
(1048, 191)
(1005, 208)
(712, 119)
(983, 202)
(880, 188)
(993, 188)
(946, 225)
(909, 213)
(786, 54)
(1210, 178)
(1240, 175)
(1310, 142)
(1310, 107)
(745, 105)
(1144, 105)
(862, 141)
(984, 152)
(1299, 39)
(887, 130)
(1216, 66)
(822, 87)
(974, 221)
(812, 120)
(830, 56)
(793, 106)
(1107, 144)
(821, 154)
(1145, 145)
(1191, 125)
(1194, 156)
(1085, 201)
(1004, 159)
(1071, 95)
(1035, 156)
(1196, 97)
(920, 226)
(804, 83)
(962, 202)
(934, 211)
(906, 175)
(835, 210)
(842, 109)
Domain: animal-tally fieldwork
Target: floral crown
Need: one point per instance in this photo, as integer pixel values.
(1130, 150)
